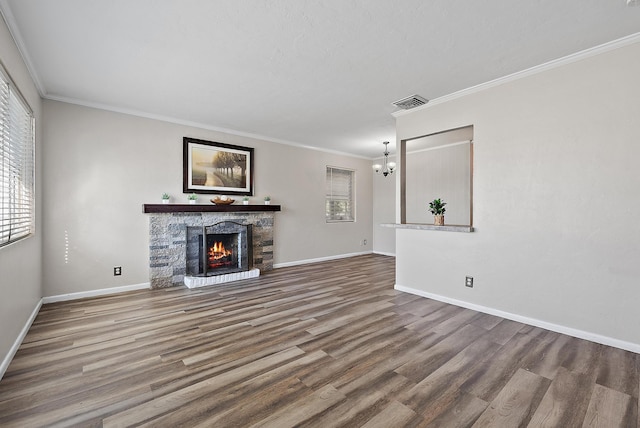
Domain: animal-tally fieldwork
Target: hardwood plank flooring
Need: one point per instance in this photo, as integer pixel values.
(330, 344)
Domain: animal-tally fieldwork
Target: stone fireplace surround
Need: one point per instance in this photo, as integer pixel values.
(168, 236)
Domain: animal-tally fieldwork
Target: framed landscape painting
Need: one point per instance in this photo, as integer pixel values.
(217, 168)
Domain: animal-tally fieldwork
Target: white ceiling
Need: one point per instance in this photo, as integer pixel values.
(319, 73)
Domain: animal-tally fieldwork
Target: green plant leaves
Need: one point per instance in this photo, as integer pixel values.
(436, 207)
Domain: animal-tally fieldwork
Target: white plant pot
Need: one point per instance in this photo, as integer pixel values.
(267, 202)
(245, 202)
(165, 201)
(193, 201)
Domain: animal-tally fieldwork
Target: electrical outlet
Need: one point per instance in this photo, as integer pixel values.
(364, 242)
(117, 271)
(468, 281)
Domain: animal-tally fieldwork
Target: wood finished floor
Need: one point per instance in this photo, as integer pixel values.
(322, 345)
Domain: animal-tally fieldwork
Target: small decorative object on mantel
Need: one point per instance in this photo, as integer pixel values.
(437, 209)
(245, 200)
(223, 200)
(165, 198)
(267, 200)
(193, 198)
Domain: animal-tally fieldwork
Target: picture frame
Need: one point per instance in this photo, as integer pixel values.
(217, 168)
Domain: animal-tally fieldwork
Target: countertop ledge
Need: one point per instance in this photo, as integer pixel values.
(419, 226)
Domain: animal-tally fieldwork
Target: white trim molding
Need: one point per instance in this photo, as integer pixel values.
(16, 344)
(7, 14)
(95, 293)
(61, 298)
(384, 253)
(208, 127)
(320, 259)
(580, 334)
(587, 53)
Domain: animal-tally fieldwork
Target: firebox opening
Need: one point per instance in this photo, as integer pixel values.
(220, 254)
(219, 249)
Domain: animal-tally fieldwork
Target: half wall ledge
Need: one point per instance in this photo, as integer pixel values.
(418, 226)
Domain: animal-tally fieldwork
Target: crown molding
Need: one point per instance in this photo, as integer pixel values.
(587, 53)
(169, 119)
(7, 14)
(9, 19)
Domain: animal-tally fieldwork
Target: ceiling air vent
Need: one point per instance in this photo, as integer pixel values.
(410, 102)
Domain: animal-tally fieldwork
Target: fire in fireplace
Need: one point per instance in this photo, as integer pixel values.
(219, 249)
(219, 256)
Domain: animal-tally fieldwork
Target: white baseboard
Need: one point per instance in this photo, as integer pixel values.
(94, 293)
(320, 259)
(61, 298)
(580, 334)
(383, 253)
(14, 348)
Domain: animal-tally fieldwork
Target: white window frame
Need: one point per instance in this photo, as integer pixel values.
(17, 164)
(335, 193)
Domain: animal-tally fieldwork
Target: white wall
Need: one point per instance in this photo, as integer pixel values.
(384, 211)
(556, 199)
(20, 270)
(102, 166)
(443, 173)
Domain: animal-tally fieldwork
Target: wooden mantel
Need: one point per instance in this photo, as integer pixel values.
(202, 208)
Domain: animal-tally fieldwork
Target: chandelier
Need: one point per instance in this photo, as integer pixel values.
(387, 167)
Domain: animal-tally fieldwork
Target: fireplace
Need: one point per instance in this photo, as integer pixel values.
(218, 249)
(169, 225)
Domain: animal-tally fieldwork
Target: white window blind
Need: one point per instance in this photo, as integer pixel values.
(16, 164)
(340, 204)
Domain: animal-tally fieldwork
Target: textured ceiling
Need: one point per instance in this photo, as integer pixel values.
(319, 73)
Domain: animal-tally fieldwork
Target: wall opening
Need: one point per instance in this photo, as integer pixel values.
(438, 166)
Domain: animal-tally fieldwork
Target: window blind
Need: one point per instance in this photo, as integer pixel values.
(16, 165)
(340, 194)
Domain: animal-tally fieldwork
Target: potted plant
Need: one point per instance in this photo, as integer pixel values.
(193, 198)
(245, 200)
(437, 209)
(267, 200)
(165, 198)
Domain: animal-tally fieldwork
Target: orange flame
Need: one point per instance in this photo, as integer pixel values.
(217, 251)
